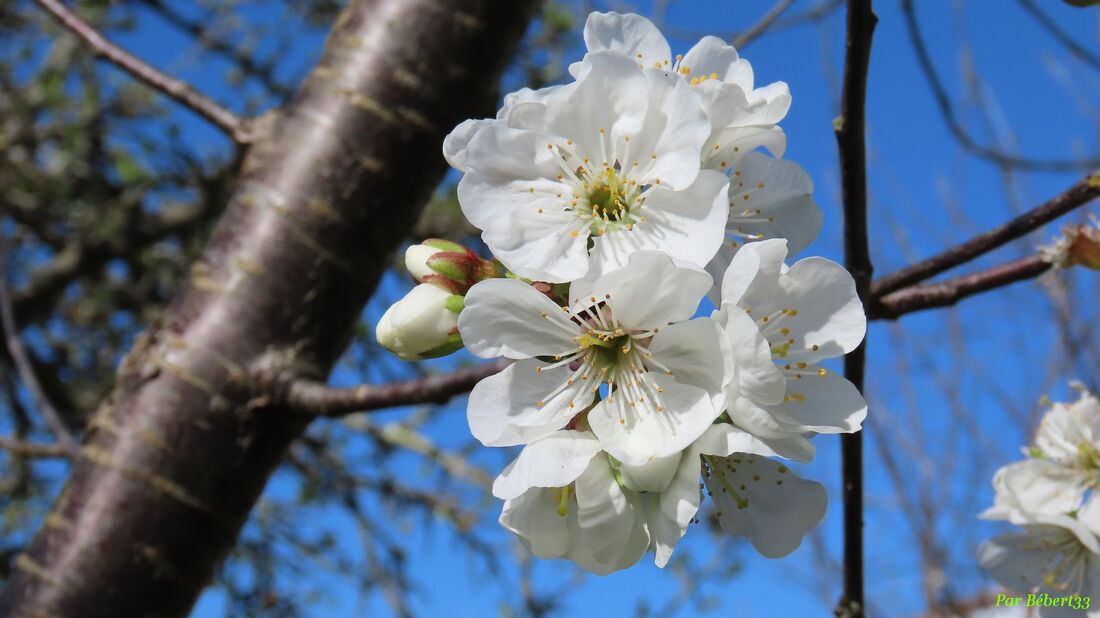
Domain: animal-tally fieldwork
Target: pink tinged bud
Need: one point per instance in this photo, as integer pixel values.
(423, 324)
(448, 265)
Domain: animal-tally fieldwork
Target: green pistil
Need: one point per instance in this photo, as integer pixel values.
(781, 350)
(1088, 456)
(716, 472)
(563, 501)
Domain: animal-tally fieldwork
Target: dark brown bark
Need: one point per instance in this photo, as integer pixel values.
(851, 142)
(174, 460)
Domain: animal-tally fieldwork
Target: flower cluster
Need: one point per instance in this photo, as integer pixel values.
(1054, 495)
(614, 204)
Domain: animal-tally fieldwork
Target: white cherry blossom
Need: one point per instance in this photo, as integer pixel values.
(628, 332)
(742, 116)
(781, 321)
(1063, 470)
(1055, 555)
(768, 198)
(569, 182)
(567, 499)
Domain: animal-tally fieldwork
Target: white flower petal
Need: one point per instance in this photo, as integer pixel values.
(633, 35)
(456, 142)
(694, 352)
(510, 193)
(554, 461)
(645, 434)
(711, 55)
(504, 317)
(830, 314)
(1042, 487)
(772, 198)
(606, 517)
(778, 507)
(736, 141)
(652, 476)
(612, 95)
(669, 144)
(824, 404)
(756, 377)
(650, 291)
(723, 439)
(670, 513)
(533, 516)
(753, 276)
(503, 409)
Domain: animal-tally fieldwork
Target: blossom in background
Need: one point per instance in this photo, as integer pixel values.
(1052, 495)
(628, 331)
(1058, 555)
(780, 322)
(1079, 245)
(565, 498)
(1063, 467)
(611, 160)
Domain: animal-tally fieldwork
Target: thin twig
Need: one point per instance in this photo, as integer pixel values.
(746, 37)
(1079, 194)
(318, 399)
(23, 366)
(947, 293)
(853, 175)
(947, 111)
(182, 92)
(36, 450)
(1062, 36)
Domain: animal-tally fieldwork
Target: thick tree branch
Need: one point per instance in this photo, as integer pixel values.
(951, 291)
(330, 187)
(947, 111)
(236, 128)
(312, 398)
(1085, 190)
(24, 367)
(851, 142)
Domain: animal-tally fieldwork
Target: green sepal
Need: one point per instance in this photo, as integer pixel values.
(447, 266)
(453, 344)
(455, 303)
(444, 245)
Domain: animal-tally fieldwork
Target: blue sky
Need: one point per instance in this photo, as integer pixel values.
(926, 193)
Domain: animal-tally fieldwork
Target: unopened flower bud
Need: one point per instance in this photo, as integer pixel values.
(447, 265)
(423, 324)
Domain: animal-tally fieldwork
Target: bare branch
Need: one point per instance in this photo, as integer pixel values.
(1062, 36)
(23, 366)
(947, 111)
(947, 293)
(238, 129)
(36, 450)
(757, 29)
(851, 142)
(1079, 194)
(318, 399)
